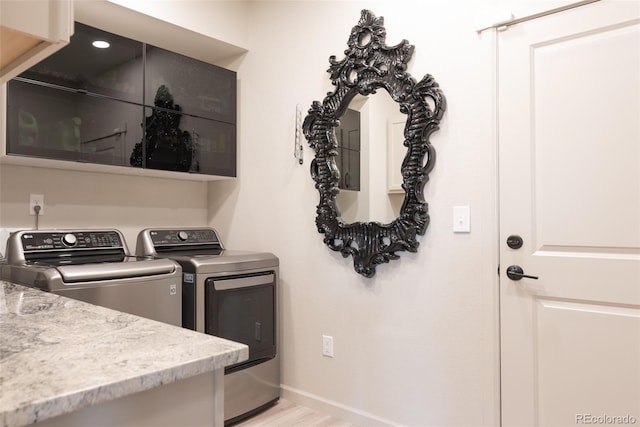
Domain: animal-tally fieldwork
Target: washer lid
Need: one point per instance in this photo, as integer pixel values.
(130, 268)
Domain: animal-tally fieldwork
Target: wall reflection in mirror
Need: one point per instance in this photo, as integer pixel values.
(379, 125)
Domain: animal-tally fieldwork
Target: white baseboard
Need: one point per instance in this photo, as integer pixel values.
(335, 409)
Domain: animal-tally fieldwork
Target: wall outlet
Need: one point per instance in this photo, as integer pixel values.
(327, 345)
(36, 199)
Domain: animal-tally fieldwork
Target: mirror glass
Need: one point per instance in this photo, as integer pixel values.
(372, 199)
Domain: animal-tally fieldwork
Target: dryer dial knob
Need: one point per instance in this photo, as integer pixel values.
(183, 236)
(69, 239)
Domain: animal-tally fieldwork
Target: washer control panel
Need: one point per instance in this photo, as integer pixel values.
(60, 240)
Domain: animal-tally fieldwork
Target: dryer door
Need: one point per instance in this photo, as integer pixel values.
(242, 308)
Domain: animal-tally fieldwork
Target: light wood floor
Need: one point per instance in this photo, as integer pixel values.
(287, 414)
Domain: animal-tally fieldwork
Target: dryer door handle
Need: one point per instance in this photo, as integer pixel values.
(221, 284)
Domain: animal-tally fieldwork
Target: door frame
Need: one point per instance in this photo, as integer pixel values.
(489, 36)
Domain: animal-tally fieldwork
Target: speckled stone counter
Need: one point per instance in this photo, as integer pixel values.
(59, 355)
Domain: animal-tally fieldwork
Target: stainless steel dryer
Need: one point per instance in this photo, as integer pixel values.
(95, 266)
(230, 294)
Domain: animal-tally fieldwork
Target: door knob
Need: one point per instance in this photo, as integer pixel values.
(515, 272)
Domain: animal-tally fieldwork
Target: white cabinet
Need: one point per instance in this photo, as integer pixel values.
(396, 152)
(30, 31)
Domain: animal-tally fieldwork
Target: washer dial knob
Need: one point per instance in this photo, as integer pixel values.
(69, 239)
(183, 236)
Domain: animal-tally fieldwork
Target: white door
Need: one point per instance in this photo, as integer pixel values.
(569, 164)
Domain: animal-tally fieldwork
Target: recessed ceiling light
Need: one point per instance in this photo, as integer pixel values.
(101, 44)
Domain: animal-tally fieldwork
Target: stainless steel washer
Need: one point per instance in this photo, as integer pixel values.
(95, 266)
(230, 294)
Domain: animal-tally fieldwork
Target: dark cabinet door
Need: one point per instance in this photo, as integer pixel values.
(351, 162)
(214, 146)
(185, 143)
(199, 89)
(348, 158)
(115, 71)
(129, 104)
(65, 125)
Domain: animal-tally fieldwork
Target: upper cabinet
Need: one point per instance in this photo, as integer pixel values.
(205, 90)
(348, 157)
(109, 100)
(96, 62)
(31, 31)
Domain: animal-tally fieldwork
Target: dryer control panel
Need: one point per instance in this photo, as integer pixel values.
(185, 236)
(182, 236)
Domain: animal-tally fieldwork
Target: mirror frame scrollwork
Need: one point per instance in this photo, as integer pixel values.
(369, 65)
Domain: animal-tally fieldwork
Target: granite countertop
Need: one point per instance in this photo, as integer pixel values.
(58, 355)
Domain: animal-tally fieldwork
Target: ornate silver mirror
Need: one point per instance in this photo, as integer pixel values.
(370, 65)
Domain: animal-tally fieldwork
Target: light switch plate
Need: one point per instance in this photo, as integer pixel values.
(327, 345)
(461, 219)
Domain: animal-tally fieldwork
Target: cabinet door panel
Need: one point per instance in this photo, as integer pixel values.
(348, 157)
(180, 142)
(116, 71)
(64, 125)
(200, 89)
(91, 105)
(214, 146)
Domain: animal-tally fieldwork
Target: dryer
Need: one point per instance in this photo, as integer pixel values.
(230, 294)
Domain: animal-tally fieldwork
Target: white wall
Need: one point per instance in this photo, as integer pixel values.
(220, 19)
(416, 344)
(95, 200)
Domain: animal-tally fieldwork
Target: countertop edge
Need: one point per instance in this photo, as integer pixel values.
(39, 411)
(195, 354)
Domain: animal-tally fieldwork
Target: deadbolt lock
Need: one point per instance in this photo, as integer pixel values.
(514, 241)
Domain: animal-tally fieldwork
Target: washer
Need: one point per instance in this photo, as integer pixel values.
(230, 294)
(95, 266)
